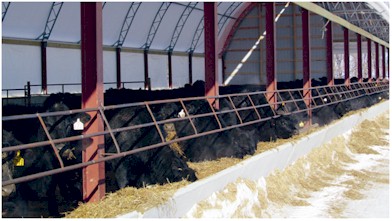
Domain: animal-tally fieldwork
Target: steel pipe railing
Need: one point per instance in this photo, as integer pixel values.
(340, 93)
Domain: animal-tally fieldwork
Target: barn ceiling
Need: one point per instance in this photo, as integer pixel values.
(176, 26)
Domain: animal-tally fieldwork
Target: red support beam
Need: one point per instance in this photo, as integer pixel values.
(92, 96)
(118, 67)
(383, 61)
(388, 64)
(359, 57)
(44, 76)
(211, 51)
(169, 55)
(190, 67)
(306, 61)
(146, 77)
(346, 57)
(377, 62)
(223, 67)
(270, 38)
(369, 60)
(329, 41)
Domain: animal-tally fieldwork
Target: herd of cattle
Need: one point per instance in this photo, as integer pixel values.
(62, 192)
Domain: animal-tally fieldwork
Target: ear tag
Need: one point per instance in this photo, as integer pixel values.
(325, 99)
(301, 124)
(18, 160)
(78, 125)
(283, 103)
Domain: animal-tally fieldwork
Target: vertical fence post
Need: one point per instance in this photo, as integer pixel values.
(359, 57)
(270, 53)
(118, 67)
(369, 60)
(211, 51)
(307, 94)
(329, 41)
(346, 57)
(44, 77)
(377, 62)
(92, 96)
(146, 77)
(190, 67)
(28, 94)
(169, 55)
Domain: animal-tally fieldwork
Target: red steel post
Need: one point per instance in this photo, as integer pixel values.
(346, 57)
(190, 67)
(169, 55)
(44, 71)
(306, 61)
(211, 51)
(369, 60)
(146, 78)
(92, 96)
(388, 63)
(377, 62)
(118, 67)
(359, 57)
(329, 41)
(383, 61)
(270, 37)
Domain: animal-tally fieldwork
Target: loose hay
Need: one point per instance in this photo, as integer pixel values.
(126, 200)
(321, 168)
(292, 187)
(208, 168)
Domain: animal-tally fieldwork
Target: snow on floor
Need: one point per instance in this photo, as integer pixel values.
(360, 191)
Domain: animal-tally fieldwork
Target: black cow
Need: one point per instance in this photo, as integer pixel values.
(40, 159)
(154, 166)
(229, 143)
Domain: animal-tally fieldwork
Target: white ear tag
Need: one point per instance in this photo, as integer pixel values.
(78, 125)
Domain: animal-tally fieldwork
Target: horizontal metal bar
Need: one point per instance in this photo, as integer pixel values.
(380, 87)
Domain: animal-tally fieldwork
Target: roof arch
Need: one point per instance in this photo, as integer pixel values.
(131, 24)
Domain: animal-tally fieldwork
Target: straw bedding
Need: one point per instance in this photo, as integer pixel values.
(321, 168)
(279, 185)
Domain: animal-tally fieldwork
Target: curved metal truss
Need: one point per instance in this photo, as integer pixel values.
(361, 15)
(155, 24)
(51, 20)
(133, 8)
(222, 21)
(5, 5)
(180, 24)
(197, 35)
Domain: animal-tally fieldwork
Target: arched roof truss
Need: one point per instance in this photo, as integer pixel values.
(51, 20)
(133, 8)
(170, 26)
(180, 25)
(5, 5)
(156, 23)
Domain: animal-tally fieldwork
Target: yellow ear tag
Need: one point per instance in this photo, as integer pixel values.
(301, 124)
(18, 160)
(282, 103)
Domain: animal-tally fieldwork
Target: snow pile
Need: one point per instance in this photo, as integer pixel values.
(348, 177)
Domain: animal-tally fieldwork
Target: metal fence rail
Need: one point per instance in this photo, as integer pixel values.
(28, 87)
(334, 94)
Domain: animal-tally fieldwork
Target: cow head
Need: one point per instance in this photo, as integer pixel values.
(65, 126)
(8, 162)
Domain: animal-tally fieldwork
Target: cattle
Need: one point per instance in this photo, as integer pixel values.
(162, 164)
(8, 208)
(228, 143)
(31, 194)
(155, 166)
